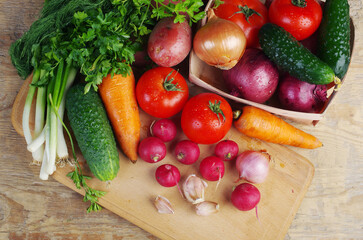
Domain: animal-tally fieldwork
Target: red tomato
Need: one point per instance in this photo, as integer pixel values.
(299, 20)
(206, 118)
(162, 92)
(249, 15)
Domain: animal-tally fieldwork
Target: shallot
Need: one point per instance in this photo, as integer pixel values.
(253, 166)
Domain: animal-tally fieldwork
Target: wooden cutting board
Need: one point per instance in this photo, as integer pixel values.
(132, 192)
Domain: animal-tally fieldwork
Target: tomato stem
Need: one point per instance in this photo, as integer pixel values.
(169, 86)
(216, 108)
(247, 12)
(299, 3)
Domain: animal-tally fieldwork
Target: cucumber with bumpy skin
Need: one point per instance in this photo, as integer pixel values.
(334, 36)
(93, 132)
(291, 56)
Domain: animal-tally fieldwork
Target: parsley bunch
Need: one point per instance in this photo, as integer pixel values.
(105, 42)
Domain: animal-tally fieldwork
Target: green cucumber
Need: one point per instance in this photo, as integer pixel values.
(334, 36)
(291, 56)
(93, 132)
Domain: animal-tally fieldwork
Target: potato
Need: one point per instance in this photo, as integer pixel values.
(169, 43)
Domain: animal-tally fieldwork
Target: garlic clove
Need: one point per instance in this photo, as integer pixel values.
(163, 205)
(206, 208)
(193, 188)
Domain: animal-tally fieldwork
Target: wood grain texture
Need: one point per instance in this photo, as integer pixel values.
(34, 209)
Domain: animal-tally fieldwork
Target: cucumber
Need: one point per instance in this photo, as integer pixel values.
(291, 56)
(334, 36)
(93, 132)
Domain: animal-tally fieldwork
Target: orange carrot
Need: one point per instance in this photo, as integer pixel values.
(118, 96)
(258, 123)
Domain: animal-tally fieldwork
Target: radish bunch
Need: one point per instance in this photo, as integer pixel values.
(252, 166)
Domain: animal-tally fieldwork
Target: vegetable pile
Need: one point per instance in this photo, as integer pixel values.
(303, 39)
(82, 58)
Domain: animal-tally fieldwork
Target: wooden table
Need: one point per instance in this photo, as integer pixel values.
(35, 209)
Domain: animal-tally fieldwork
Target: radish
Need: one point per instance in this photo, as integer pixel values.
(226, 150)
(253, 166)
(187, 152)
(245, 197)
(167, 175)
(164, 129)
(212, 168)
(152, 150)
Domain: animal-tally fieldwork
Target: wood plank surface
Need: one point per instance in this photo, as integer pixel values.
(35, 209)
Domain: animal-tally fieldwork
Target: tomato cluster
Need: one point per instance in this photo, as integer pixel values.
(162, 92)
(299, 17)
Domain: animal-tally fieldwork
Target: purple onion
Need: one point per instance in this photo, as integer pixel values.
(301, 96)
(254, 78)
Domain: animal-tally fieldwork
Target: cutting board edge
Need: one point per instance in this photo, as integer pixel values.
(299, 200)
(106, 204)
(159, 233)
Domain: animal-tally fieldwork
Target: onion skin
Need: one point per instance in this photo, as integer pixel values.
(220, 43)
(253, 166)
(301, 96)
(254, 78)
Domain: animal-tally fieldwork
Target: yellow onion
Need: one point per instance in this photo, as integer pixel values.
(219, 43)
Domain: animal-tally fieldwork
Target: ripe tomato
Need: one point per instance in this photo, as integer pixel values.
(162, 92)
(301, 18)
(249, 15)
(206, 118)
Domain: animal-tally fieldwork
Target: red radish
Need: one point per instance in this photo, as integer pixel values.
(187, 152)
(164, 129)
(226, 150)
(245, 197)
(167, 175)
(152, 150)
(212, 168)
(253, 166)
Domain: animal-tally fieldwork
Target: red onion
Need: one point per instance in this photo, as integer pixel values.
(253, 166)
(254, 78)
(301, 96)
